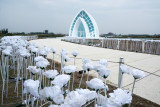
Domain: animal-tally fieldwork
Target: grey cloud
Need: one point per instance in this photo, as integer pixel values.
(117, 16)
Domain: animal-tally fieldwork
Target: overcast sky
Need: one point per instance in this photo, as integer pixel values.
(117, 16)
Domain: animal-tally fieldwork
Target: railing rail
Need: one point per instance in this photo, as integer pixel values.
(132, 45)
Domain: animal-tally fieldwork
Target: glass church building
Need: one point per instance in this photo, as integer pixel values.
(84, 26)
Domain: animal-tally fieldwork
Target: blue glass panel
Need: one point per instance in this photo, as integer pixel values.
(81, 30)
(86, 16)
(90, 21)
(81, 13)
(85, 19)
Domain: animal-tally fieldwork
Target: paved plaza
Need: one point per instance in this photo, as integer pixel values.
(148, 87)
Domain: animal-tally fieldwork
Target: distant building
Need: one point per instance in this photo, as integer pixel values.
(110, 34)
(46, 31)
(37, 33)
(4, 31)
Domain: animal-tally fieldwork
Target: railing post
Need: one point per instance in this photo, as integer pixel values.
(102, 43)
(118, 45)
(143, 43)
(127, 45)
(121, 61)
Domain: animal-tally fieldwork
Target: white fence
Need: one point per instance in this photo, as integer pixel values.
(29, 37)
(133, 45)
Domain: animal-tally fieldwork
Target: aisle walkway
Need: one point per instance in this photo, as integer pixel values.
(149, 87)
